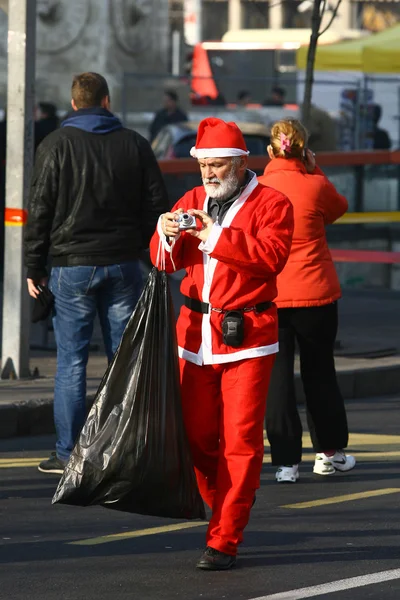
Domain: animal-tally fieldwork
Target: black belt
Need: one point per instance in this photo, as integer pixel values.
(204, 307)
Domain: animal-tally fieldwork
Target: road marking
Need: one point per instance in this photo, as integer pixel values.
(22, 459)
(115, 537)
(357, 455)
(358, 442)
(369, 217)
(13, 463)
(334, 586)
(371, 439)
(344, 498)
(358, 439)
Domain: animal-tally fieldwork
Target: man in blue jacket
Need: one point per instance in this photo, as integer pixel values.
(96, 195)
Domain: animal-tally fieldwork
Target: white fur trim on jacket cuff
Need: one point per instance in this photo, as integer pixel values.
(217, 152)
(208, 246)
(167, 246)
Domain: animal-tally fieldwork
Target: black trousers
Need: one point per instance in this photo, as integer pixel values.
(314, 329)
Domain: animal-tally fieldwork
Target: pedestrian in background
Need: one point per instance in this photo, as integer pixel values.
(96, 194)
(277, 98)
(46, 121)
(243, 98)
(308, 290)
(381, 138)
(171, 113)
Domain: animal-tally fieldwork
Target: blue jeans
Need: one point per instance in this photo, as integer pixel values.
(80, 293)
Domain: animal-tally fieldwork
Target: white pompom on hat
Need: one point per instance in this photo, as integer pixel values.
(216, 138)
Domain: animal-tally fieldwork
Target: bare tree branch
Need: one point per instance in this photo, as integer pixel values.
(333, 17)
(322, 8)
(319, 9)
(312, 48)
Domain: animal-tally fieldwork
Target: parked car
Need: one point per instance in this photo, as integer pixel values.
(175, 141)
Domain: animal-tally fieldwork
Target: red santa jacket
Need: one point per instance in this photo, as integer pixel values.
(235, 268)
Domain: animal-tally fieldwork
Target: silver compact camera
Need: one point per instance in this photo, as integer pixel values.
(186, 221)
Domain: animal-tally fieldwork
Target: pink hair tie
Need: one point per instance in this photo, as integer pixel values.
(286, 144)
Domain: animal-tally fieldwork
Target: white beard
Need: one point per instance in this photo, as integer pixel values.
(226, 188)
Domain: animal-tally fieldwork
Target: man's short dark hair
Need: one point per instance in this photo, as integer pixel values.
(89, 89)
(279, 91)
(172, 95)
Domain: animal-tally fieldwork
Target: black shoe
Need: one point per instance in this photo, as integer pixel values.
(214, 560)
(52, 465)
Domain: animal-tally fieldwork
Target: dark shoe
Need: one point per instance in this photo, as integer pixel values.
(214, 560)
(52, 465)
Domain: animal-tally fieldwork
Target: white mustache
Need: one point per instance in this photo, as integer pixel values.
(212, 180)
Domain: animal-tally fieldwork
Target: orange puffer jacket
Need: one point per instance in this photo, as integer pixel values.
(309, 277)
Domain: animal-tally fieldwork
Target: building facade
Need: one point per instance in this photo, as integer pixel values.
(218, 16)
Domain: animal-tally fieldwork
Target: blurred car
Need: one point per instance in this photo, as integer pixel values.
(175, 141)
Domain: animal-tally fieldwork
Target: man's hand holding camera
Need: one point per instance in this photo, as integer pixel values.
(171, 225)
(206, 221)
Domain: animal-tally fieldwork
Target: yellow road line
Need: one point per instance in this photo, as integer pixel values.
(20, 462)
(15, 463)
(370, 217)
(358, 455)
(105, 539)
(345, 498)
(359, 439)
(22, 459)
(371, 439)
(18, 465)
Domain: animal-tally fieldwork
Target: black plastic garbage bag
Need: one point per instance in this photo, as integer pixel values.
(132, 454)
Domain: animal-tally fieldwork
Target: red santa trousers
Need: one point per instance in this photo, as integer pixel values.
(223, 410)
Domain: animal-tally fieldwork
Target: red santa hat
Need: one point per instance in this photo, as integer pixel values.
(217, 138)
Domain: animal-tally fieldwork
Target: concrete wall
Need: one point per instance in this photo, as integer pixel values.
(109, 36)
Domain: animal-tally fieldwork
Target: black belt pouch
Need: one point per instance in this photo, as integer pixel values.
(233, 328)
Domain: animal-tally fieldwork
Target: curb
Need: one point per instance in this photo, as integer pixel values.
(29, 417)
(359, 384)
(35, 416)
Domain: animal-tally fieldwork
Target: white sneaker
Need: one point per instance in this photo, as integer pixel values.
(287, 474)
(328, 465)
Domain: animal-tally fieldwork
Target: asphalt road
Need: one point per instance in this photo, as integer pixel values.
(288, 545)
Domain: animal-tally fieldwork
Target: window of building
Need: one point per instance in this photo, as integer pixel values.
(214, 19)
(255, 14)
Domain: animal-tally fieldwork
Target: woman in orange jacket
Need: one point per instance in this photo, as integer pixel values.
(308, 290)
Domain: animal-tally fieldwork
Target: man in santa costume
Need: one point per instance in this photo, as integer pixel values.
(227, 329)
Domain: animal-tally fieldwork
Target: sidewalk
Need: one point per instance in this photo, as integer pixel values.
(369, 327)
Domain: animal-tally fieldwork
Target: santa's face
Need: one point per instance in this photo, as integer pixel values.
(221, 176)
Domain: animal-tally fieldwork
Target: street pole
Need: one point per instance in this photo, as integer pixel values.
(234, 15)
(275, 14)
(20, 132)
(192, 22)
(176, 53)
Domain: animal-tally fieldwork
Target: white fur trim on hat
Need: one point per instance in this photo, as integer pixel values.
(217, 152)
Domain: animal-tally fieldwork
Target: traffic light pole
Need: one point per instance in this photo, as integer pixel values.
(20, 142)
